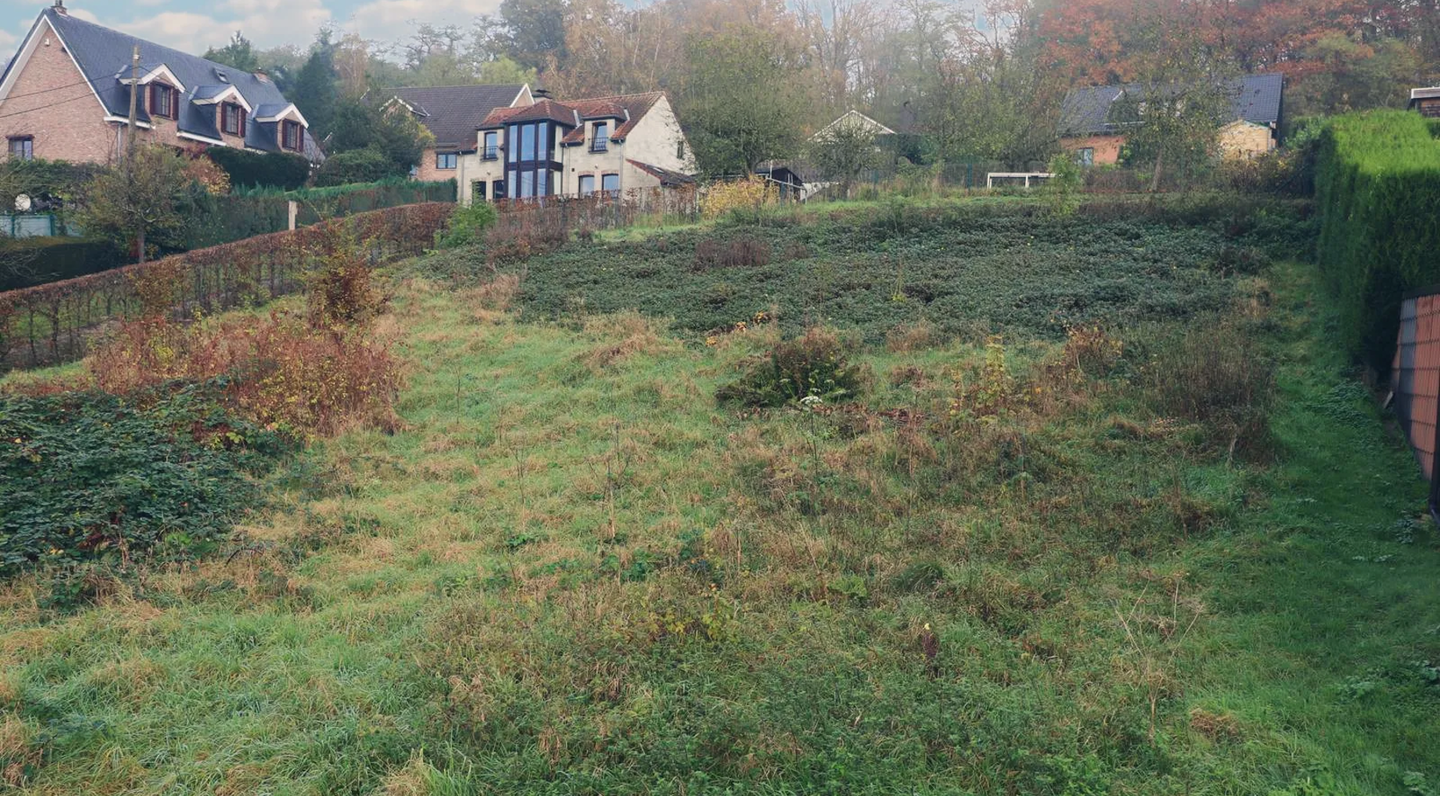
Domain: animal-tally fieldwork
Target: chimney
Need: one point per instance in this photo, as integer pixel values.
(60, 8)
(540, 93)
(262, 76)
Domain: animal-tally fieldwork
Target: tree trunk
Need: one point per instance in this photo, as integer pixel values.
(1159, 165)
(140, 240)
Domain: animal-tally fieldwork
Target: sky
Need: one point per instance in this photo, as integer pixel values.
(196, 25)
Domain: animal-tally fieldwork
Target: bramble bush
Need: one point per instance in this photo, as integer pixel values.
(724, 198)
(96, 476)
(816, 364)
(468, 225)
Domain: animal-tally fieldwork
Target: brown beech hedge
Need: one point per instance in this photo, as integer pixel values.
(50, 323)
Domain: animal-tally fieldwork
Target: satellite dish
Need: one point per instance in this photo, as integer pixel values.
(22, 204)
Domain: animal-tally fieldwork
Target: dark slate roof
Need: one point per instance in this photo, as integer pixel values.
(1086, 111)
(103, 54)
(667, 177)
(454, 113)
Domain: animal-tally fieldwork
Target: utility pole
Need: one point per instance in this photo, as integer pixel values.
(134, 105)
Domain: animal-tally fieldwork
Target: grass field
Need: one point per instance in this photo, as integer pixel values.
(1019, 565)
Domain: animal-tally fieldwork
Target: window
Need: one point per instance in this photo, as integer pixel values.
(680, 151)
(610, 183)
(162, 101)
(542, 152)
(477, 191)
(1085, 156)
(492, 146)
(587, 184)
(291, 136)
(497, 190)
(511, 184)
(22, 148)
(232, 119)
(527, 185)
(527, 142)
(446, 160)
(512, 143)
(601, 140)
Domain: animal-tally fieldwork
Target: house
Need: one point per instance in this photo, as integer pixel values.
(800, 179)
(577, 148)
(66, 96)
(1092, 124)
(453, 114)
(1427, 101)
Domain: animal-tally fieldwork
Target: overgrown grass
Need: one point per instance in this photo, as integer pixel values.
(1003, 567)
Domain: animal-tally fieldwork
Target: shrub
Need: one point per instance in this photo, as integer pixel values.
(468, 225)
(814, 364)
(1377, 184)
(724, 198)
(737, 253)
(359, 165)
(278, 372)
(97, 476)
(1219, 377)
(274, 170)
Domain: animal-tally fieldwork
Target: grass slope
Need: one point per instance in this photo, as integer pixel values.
(574, 573)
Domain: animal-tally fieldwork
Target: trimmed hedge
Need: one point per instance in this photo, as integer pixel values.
(248, 213)
(39, 260)
(51, 323)
(1378, 186)
(274, 170)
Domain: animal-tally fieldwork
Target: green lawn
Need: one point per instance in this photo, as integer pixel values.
(571, 571)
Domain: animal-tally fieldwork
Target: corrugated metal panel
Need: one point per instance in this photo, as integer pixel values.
(1415, 380)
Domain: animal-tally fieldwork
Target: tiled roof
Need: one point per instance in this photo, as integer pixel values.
(542, 110)
(454, 113)
(627, 110)
(1086, 111)
(104, 54)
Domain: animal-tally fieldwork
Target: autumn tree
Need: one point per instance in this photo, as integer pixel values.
(845, 150)
(147, 201)
(740, 104)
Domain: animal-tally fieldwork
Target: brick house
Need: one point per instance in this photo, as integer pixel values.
(453, 114)
(1092, 124)
(66, 96)
(1426, 101)
(580, 147)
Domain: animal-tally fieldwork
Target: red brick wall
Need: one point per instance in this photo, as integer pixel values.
(66, 120)
(429, 173)
(51, 102)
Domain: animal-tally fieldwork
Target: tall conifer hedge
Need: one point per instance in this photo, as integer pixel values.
(1378, 187)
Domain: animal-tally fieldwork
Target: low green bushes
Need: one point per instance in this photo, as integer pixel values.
(1378, 185)
(468, 225)
(815, 365)
(92, 476)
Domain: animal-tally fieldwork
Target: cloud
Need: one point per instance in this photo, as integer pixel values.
(386, 19)
(264, 22)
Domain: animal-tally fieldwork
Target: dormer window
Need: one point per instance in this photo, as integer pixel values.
(600, 142)
(291, 136)
(232, 119)
(162, 101)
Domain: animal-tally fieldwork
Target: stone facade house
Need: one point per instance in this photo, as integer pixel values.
(66, 96)
(616, 145)
(1092, 124)
(1426, 101)
(453, 114)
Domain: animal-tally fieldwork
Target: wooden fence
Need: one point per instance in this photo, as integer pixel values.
(51, 323)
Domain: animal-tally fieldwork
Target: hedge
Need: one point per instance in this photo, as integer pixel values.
(37, 261)
(247, 213)
(50, 323)
(274, 170)
(1378, 189)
